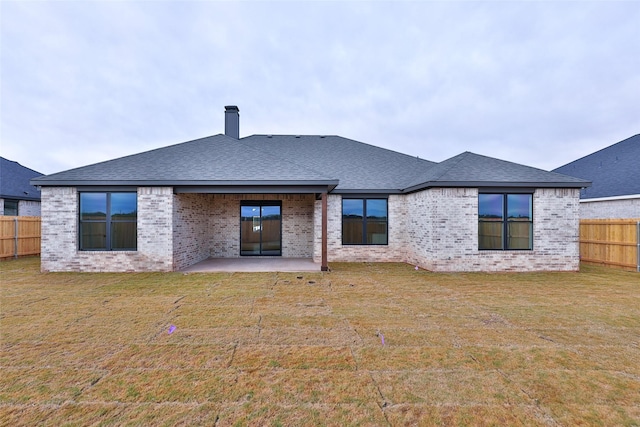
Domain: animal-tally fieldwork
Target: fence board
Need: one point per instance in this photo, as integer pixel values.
(611, 242)
(19, 236)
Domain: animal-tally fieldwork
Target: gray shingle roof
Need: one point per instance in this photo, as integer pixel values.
(14, 181)
(214, 160)
(357, 166)
(332, 161)
(469, 169)
(614, 171)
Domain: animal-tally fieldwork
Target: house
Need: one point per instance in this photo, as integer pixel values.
(323, 197)
(17, 196)
(615, 174)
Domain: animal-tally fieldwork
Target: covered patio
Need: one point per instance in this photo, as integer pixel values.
(229, 229)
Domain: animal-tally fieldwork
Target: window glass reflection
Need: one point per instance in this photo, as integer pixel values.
(376, 209)
(93, 206)
(352, 208)
(519, 207)
(124, 205)
(490, 206)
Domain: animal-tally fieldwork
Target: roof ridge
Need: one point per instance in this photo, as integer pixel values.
(420, 180)
(461, 156)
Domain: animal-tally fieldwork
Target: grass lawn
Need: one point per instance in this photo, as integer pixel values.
(307, 349)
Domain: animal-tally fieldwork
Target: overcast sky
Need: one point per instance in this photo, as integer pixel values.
(539, 83)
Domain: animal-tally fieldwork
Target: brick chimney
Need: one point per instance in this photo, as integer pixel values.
(232, 121)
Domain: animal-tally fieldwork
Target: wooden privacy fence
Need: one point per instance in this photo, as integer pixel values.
(19, 235)
(611, 242)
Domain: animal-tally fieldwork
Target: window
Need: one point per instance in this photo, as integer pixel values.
(505, 221)
(364, 222)
(11, 207)
(108, 221)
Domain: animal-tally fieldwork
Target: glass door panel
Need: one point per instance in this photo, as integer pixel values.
(271, 225)
(250, 230)
(261, 229)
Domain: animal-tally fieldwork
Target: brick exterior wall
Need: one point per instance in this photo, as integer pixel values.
(59, 250)
(449, 242)
(436, 229)
(192, 232)
(337, 252)
(297, 223)
(610, 209)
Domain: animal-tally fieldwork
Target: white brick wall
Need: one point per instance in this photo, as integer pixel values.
(297, 224)
(436, 229)
(450, 241)
(610, 209)
(59, 251)
(155, 229)
(337, 252)
(192, 232)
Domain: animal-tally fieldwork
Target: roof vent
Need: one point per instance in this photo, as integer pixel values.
(232, 121)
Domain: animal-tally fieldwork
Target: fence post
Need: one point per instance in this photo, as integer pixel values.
(638, 245)
(15, 237)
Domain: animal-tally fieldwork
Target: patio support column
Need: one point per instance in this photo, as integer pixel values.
(325, 265)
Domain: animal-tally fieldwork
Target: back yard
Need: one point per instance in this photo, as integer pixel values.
(364, 344)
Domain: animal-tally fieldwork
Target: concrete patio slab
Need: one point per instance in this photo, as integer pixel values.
(253, 264)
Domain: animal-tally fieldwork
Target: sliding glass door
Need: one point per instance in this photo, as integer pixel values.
(260, 228)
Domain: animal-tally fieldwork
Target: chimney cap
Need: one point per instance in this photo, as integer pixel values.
(231, 108)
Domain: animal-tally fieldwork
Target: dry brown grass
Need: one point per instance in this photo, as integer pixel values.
(306, 349)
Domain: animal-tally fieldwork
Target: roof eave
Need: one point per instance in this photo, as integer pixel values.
(367, 191)
(502, 184)
(226, 186)
(174, 183)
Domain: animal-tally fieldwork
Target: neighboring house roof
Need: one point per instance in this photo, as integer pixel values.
(614, 171)
(338, 164)
(14, 181)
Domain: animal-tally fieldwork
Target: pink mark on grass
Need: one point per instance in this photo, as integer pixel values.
(382, 338)
(171, 329)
